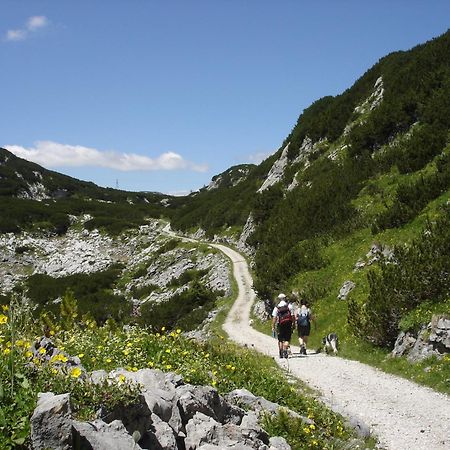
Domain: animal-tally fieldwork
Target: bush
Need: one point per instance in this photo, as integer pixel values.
(186, 310)
(418, 276)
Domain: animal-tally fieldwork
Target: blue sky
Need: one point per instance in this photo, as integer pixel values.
(163, 95)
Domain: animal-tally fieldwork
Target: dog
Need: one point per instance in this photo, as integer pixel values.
(330, 343)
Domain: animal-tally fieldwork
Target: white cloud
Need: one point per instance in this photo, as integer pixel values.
(53, 155)
(33, 24)
(16, 35)
(258, 157)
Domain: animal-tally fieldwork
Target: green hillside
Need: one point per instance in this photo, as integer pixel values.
(371, 165)
(37, 198)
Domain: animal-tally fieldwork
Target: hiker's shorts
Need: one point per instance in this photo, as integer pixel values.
(285, 332)
(303, 330)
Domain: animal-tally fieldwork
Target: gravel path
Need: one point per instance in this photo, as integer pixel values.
(402, 414)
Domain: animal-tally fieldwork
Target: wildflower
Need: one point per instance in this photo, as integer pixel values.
(306, 430)
(125, 352)
(6, 351)
(168, 366)
(75, 372)
(168, 350)
(150, 364)
(178, 331)
(3, 319)
(53, 371)
(129, 344)
(80, 355)
(28, 354)
(5, 307)
(52, 333)
(122, 378)
(42, 351)
(134, 369)
(163, 329)
(312, 427)
(108, 360)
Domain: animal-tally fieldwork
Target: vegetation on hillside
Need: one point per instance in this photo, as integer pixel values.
(215, 363)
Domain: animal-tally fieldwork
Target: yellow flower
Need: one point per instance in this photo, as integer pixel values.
(75, 372)
(28, 354)
(42, 351)
(122, 378)
(306, 430)
(5, 307)
(167, 350)
(134, 369)
(129, 344)
(3, 319)
(54, 371)
(168, 366)
(6, 351)
(312, 427)
(125, 352)
(52, 333)
(108, 360)
(163, 329)
(178, 331)
(150, 364)
(80, 355)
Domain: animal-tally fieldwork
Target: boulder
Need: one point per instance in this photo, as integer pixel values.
(99, 435)
(51, 423)
(346, 288)
(432, 340)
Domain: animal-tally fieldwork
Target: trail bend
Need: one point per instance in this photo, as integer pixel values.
(401, 414)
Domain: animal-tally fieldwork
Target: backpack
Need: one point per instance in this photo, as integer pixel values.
(303, 317)
(284, 315)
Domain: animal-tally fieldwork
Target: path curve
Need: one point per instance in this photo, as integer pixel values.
(402, 414)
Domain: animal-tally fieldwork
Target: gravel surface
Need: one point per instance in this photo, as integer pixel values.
(401, 414)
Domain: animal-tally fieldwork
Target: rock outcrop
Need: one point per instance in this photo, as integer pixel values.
(169, 415)
(432, 340)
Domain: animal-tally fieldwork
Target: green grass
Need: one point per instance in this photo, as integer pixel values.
(217, 363)
(331, 313)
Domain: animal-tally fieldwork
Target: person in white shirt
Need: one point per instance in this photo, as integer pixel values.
(284, 320)
(303, 318)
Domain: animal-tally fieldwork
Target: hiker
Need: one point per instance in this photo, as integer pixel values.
(283, 319)
(303, 318)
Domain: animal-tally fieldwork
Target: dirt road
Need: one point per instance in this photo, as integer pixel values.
(402, 414)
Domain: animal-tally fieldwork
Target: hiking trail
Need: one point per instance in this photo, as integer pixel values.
(400, 413)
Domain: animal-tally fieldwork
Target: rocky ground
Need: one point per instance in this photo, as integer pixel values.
(83, 251)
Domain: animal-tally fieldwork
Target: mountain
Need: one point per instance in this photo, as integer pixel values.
(367, 169)
(369, 166)
(39, 198)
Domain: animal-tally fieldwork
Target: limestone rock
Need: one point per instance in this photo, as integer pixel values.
(51, 424)
(99, 435)
(346, 288)
(432, 340)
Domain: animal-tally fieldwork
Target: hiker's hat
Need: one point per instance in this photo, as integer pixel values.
(281, 296)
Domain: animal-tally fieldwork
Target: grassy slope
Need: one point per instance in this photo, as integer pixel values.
(331, 313)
